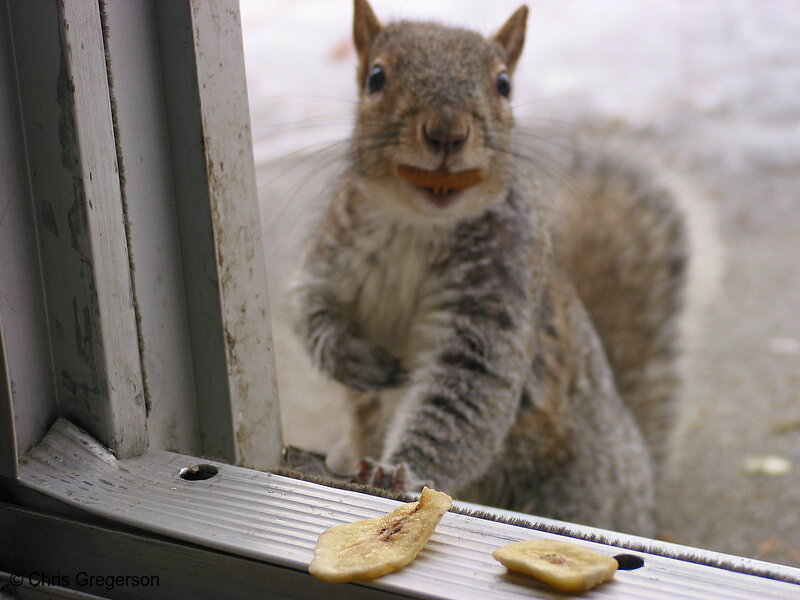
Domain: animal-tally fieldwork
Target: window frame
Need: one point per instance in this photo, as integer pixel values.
(132, 118)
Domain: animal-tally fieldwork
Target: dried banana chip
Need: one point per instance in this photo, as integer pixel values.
(566, 567)
(373, 547)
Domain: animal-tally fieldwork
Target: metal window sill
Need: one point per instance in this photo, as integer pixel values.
(276, 520)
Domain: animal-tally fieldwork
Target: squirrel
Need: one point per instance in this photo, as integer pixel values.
(508, 346)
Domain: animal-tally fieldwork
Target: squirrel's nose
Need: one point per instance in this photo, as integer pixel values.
(445, 139)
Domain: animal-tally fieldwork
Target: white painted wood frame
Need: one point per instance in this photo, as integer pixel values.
(134, 297)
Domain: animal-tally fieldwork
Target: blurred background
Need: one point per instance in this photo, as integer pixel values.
(706, 91)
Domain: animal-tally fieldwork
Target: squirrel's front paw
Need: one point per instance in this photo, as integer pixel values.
(364, 366)
(395, 478)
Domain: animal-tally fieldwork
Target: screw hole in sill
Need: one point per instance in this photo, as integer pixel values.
(628, 562)
(198, 472)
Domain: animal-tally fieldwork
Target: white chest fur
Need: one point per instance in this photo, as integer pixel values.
(394, 284)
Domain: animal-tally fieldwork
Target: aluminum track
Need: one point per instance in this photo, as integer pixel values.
(278, 519)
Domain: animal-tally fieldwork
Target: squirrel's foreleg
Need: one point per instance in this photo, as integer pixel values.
(337, 349)
(460, 407)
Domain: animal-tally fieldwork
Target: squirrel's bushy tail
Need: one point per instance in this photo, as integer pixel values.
(622, 240)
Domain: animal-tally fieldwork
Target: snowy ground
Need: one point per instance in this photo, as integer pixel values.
(710, 90)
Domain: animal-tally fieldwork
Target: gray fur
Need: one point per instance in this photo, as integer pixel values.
(473, 363)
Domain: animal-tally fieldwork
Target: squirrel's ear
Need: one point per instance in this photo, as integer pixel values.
(511, 36)
(365, 27)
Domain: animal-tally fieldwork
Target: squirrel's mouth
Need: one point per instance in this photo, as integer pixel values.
(440, 187)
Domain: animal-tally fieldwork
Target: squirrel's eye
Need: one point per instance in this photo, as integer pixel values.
(504, 84)
(376, 80)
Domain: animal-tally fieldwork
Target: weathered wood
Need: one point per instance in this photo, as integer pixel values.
(223, 257)
(76, 190)
(202, 340)
(153, 234)
(22, 311)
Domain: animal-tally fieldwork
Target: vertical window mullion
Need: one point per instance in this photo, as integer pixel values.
(143, 146)
(220, 229)
(75, 188)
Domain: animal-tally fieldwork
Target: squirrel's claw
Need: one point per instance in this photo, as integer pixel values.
(395, 478)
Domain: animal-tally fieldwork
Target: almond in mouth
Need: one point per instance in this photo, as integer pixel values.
(441, 187)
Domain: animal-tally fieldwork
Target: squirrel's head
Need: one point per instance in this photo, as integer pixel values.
(433, 133)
